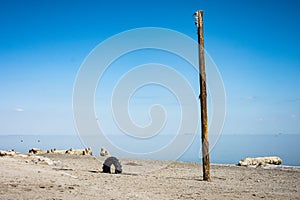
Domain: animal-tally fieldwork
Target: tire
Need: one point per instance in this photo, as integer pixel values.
(112, 161)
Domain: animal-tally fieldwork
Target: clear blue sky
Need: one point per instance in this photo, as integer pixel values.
(255, 44)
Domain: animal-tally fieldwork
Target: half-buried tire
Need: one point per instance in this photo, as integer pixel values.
(109, 162)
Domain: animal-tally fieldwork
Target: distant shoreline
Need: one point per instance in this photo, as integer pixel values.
(229, 149)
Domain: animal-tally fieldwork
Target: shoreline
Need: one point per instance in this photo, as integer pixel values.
(64, 152)
(228, 150)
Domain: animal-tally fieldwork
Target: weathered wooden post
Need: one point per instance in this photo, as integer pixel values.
(203, 98)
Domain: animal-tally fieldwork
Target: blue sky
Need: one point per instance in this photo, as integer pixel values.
(255, 44)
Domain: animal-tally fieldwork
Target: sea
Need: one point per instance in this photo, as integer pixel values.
(229, 149)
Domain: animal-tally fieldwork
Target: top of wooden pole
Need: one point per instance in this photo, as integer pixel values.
(198, 17)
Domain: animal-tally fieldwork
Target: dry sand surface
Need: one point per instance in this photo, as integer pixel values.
(80, 177)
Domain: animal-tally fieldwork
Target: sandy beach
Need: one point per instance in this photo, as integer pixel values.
(81, 177)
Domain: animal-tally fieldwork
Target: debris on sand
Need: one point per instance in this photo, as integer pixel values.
(260, 161)
(86, 151)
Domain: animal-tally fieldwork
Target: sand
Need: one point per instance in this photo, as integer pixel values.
(80, 177)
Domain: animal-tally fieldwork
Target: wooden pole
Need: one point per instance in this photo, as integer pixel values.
(203, 98)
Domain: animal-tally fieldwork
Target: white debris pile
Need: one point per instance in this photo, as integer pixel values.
(8, 153)
(86, 151)
(104, 152)
(42, 160)
(260, 161)
(29, 157)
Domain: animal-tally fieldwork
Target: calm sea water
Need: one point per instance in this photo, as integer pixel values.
(228, 150)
